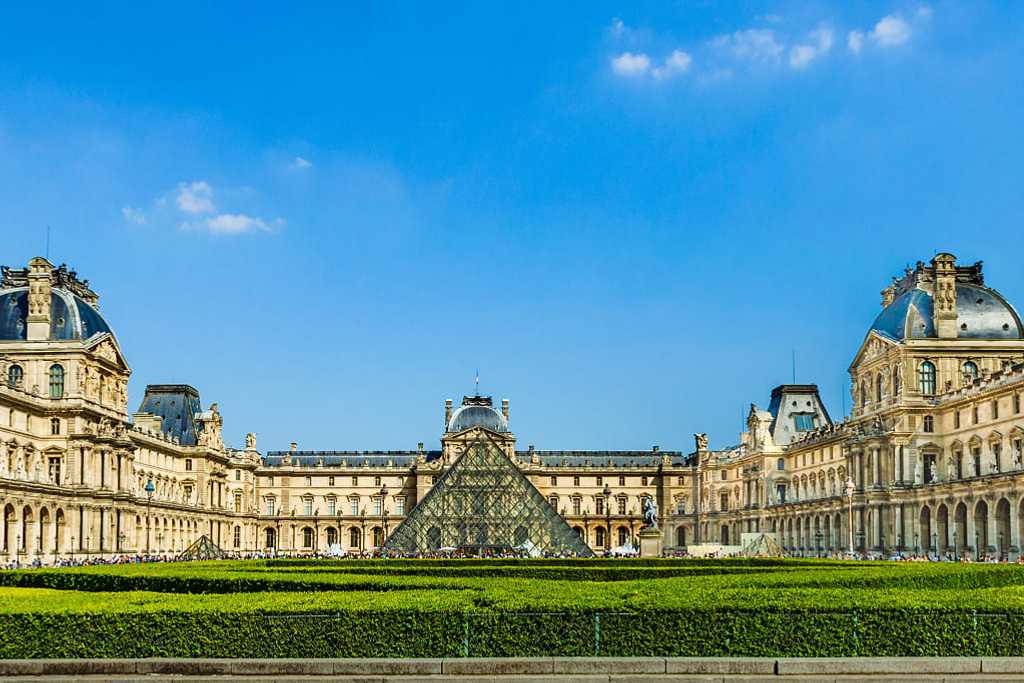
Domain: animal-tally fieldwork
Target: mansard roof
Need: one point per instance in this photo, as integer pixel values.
(177, 406)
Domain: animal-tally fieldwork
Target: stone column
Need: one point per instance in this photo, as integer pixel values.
(993, 529)
(969, 525)
(1014, 529)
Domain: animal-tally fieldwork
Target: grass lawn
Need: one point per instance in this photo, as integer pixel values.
(431, 608)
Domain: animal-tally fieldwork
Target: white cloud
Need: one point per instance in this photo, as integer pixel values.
(299, 163)
(855, 41)
(133, 215)
(631, 65)
(924, 12)
(617, 28)
(802, 55)
(231, 224)
(754, 45)
(675, 63)
(891, 31)
(195, 197)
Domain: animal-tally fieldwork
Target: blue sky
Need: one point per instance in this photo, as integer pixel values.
(627, 216)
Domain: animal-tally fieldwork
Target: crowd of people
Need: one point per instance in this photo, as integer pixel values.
(454, 553)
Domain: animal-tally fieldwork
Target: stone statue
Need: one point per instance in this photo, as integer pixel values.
(650, 514)
(1017, 460)
(917, 472)
(950, 467)
(250, 442)
(702, 441)
(19, 473)
(37, 471)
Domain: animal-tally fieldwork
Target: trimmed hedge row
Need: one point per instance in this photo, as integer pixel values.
(102, 582)
(410, 633)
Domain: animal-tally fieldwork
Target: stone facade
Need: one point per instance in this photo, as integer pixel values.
(931, 452)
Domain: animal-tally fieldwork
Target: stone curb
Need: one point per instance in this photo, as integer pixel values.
(910, 666)
(546, 668)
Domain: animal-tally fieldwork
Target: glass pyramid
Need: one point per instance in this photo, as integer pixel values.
(203, 549)
(483, 503)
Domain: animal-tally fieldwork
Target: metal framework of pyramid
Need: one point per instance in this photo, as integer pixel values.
(202, 549)
(484, 503)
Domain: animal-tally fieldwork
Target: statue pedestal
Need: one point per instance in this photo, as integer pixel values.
(650, 542)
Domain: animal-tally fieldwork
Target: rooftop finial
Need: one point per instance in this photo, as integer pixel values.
(478, 382)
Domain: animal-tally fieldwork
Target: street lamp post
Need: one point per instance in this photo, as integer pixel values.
(817, 537)
(586, 530)
(850, 488)
(149, 488)
(607, 491)
(977, 545)
(316, 530)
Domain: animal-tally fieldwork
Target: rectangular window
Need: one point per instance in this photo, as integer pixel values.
(238, 537)
(270, 481)
(576, 481)
(309, 481)
(307, 506)
(600, 481)
(804, 422)
(974, 414)
(929, 424)
(622, 481)
(355, 481)
(399, 506)
(330, 481)
(376, 481)
(725, 475)
(376, 506)
(270, 506)
(55, 426)
(599, 505)
(353, 506)
(680, 481)
(188, 464)
(622, 505)
(54, 470)
(554, 481)
(1016, 403)
(725, 502)
(238, 502)
(643, 481)
(331, 507)
(576, 506)
(956, 419)
(995, 409)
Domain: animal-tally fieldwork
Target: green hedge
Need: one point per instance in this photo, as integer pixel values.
(398, 633)
(497, 608)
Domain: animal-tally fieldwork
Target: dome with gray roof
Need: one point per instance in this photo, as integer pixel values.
(982, 313)
(477, 414)
(71, 317)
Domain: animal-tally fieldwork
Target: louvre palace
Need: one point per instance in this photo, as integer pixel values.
(928, 460)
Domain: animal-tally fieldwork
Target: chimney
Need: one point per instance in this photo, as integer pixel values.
(655, 449)
(294, 447)
(447, 412)
(419, 447)
(40, 281)
(944, 296)
(504, 408)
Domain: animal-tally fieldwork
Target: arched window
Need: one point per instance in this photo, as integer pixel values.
(14, 375)
(863, 393)
(307, 537)
(970, 371)
(896, 385)
(378, 536)
(926, 378)
(623, 536)
(332, 536)
(270, 538)
(238, 537)
(56, 381)
(878, 388)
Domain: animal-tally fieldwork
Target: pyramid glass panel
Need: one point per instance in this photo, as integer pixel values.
(483, 503)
